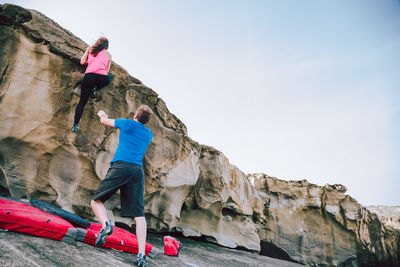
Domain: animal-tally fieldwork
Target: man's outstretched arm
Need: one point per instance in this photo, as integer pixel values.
(105, 120)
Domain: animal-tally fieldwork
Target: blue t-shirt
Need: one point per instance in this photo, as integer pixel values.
(134, 138)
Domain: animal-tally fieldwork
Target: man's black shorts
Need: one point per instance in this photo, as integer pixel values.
(130, 179)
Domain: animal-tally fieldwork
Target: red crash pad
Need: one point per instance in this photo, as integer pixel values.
(20, 217)
(120, 239)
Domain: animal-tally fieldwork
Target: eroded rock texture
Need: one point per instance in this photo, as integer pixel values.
(389, 216)
(190, 188)
(322, 224)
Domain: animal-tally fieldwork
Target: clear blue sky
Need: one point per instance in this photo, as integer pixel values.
(294, 89)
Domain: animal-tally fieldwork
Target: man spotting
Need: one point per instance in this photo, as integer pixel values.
(126, 174)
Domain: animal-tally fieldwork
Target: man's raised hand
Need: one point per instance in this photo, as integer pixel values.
(101, 113)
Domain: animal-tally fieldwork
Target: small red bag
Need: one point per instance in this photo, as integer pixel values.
(172, 246)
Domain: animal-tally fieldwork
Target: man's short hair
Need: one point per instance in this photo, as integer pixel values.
(143, 114)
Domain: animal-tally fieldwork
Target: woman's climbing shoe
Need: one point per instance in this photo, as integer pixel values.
(75, 127)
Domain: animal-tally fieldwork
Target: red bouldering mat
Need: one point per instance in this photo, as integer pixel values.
(20, 217)
(120, 239)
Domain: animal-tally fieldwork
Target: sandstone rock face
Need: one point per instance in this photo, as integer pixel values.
(189, 188)
(389, 216)
(322, 224)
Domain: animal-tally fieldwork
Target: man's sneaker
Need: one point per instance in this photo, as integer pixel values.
(75, 127)
(141, 260)
(104, 233)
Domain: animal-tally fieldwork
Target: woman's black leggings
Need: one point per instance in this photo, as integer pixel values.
(89, 82)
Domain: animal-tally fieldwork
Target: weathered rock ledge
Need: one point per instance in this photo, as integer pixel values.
(27, 251)
(389, 216)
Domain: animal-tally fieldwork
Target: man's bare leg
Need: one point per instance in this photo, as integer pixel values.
(100, 211)
(141, 230)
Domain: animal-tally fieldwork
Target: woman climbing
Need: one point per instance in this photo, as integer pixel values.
(98, 61)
